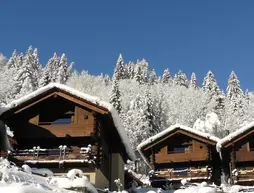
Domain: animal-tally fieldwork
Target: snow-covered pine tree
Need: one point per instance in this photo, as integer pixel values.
(120, 71)
(210, 84)
(2, 61)
(153, 77)
(181, 79)
(233, 89)
(115, 96)
(144, 66)
(166, 78)
(136, 123)
(131, 70)
(149, 113)
(13, 60)
(138, 74)
(193, 81)
(247, 96)
(54, 66)
(11, 73)
(234, 92)
(63, 71)
(28, 73)
(107, 80)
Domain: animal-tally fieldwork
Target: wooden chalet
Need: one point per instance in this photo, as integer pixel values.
(181, 152)
(237, 153)
(60, 128)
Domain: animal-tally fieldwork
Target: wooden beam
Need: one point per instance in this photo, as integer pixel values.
(238, 138)
(184, 133)
(82, 103)
(162, 139)
(34, 103)
(194, 136)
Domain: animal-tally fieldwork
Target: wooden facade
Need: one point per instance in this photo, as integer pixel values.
(54, 129)
(238, 157)
(179, 154)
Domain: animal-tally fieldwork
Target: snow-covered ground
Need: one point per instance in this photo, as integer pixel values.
(21, 180)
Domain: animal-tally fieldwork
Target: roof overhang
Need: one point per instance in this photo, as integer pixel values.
(236, 136)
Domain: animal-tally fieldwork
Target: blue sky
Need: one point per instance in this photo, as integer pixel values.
(196, 35)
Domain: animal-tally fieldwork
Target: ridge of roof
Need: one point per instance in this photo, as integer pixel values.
(233, 135)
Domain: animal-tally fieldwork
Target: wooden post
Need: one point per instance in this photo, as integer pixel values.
(233, 161)
(97, 135)
(153, 159)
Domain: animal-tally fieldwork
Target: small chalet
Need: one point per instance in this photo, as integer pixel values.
(181, 152)
(237, 153)
(60, 128)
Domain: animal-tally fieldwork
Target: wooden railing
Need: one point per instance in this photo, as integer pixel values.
(194, 174)
(243, 176)
(54, 154)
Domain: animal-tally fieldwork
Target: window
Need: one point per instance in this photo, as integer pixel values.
(65, 119)
(52, 119)
(178, 149)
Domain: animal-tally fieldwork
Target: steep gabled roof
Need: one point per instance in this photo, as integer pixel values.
(101, 106)
(235, 136)
(207, 138)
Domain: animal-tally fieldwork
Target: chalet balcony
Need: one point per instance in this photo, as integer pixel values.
(181, 157)
(59, 155)
(243, 176)
(179, 174)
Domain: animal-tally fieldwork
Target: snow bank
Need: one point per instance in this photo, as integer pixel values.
(14, 180)
(233, 135)
(170, 129)
(94, 100)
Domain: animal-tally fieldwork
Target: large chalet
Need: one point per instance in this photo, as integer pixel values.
(181, 152)
(60, 128)
(237, 153)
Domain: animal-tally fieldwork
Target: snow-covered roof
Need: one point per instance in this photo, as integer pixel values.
(234, 135)
(92, 99)
(171, 129)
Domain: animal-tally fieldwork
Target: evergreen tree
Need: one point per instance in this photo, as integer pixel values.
(181, 79)
(13, 60)
(46, 76)
(235, 94)
(120, 69)
(107, 80)
(138, 75)
(247, 96)
(54, 66)
(166, 78)
(131, 70)
(234, 90)
(193, 81)
(63, 73)
(115, 97)
(149, 114)
(210, 84)
(152, 77)
(28, 73)
(142, 67)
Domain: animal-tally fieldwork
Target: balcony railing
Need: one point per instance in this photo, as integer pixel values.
(55, 155)
(192, 174)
